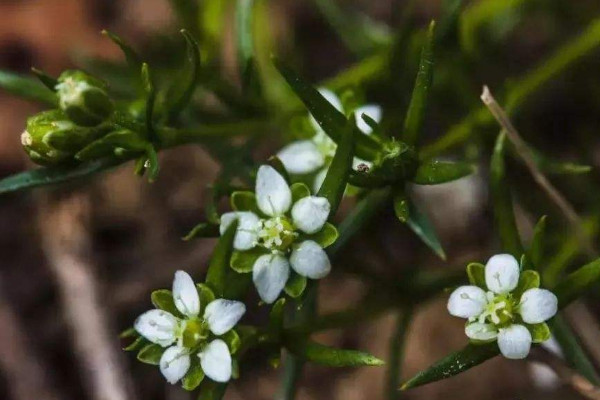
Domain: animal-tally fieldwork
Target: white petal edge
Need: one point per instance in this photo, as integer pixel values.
(174, 363)
(373, 111)
(479, 331)
(301, 157)
(514, 342)
(222, 315)
(157, 326)
(502, 273)
(333, 99)
(247, 230)
(215, 361)
(467, 301)
(538, 305)
(185, 294)
(310, 260)
(269, 274)
(273, 195)
(310, 213)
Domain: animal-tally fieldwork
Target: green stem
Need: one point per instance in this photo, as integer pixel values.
(396, 354)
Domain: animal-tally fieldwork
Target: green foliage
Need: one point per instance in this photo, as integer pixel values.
(150, 354)
(163, 299)
(419, 223)
(216, 277)
(332, 357)
(436, 172)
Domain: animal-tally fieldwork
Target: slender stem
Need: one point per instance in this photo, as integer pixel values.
(396, 354)
(525, 153)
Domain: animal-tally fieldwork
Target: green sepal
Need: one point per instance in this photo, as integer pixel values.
(295, 285)
(128, 333)
(299, 191)
(325, 237)
(139, 343)
(163, 300)
(436, 172)
(330, 356)
(536, 249)
(276, 316)
(194, 376)
(453, 364)
(216, 277)
(245, 201)
(528, 279)
(205, 294)
(203, 230)
(539, 332)
(105, 146)
(476, 274)
(277, 164)
(243, 261)
(233, 340)
(151, 354)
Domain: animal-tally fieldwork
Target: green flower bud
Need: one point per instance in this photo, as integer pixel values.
(50, 138)
(83, 98)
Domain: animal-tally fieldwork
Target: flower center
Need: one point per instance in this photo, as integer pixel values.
(276, 234)
(499, 309)
(194, 331)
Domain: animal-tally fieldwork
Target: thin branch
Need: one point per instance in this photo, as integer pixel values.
(67, 246)
(578, 382)
(523, 151)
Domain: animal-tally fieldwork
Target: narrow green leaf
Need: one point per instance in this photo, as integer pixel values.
(183, 87)
(150, 354)
(435, 172)
(333, 122)
(219, 262)
(295, 285)
(139, 343)
(476, 274)
(335, 181)
(333, 357)
(133, 59)
(454, 364)
(502, 201)
(163, 299)
(27, 88)
(243, 261)
(528, 279)
(46, 79)
(194, 376)
(54, 175)
(536, 250)
(419, 223)
(203, 230)
(188, 13)
(418, 102)
(555, 167)
(572, 350)
(325, 237)
(276, 316)
(244, 201)
(150, 102)
(245, 44)
(577, 283)
(372, 179)
(128, 333)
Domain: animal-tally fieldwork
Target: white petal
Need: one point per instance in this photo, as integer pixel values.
(538, 305)
(215, 361)
(310, 213)
(319, 178)
(479, 331)
(174, 363)
(301, 157)
(270, 273)
(247, 230)
(373, 111)
(467, 302)
(310, 260)
(502, 273)
(331, 98)
(185, 294)
(222, 315)
(273, 194)
(157, 326)
(514, 342)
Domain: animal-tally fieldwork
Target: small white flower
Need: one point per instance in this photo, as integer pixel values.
(278, 235)
(190, 333)
(315, 154)
(215, 361)
(492, 315)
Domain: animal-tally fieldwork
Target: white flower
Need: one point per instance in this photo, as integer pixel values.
(188, 335)
(279, 234)
(315, 154)
(492, 314)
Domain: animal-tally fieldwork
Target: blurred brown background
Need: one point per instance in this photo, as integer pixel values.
(93, 256)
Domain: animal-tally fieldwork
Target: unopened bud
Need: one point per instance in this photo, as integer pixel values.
(83, 98)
